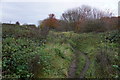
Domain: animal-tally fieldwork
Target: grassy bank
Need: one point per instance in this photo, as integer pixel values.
(32, 56)
(28, 54)
(102, 54)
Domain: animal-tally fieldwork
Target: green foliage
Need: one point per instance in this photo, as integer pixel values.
(28, 54)
(108, 54)
(113, 36)
(24, 58)
(32, 33)
(97, 48)
(20, 47)
(80, 65)
(59, 53)
(16, 54)
(25, 54)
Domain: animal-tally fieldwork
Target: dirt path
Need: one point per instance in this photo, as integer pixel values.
(73, 66)
(72, 69)
(86, 66)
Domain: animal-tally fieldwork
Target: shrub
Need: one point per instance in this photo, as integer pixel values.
(16, 55)
(23, 58)
(93, 26)
(50, 22)
(17, 23)
(21, 31)
(59, 53)
(113, 36)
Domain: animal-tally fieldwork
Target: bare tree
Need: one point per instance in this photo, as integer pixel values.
(75, 17)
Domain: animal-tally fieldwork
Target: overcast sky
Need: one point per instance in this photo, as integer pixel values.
(31, 11)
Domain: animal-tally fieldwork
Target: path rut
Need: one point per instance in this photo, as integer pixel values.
(86, 66)
(73, 66)
(72, 69)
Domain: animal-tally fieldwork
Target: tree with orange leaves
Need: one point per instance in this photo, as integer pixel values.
(51, 22)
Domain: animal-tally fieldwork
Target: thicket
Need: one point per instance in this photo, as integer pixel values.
(25, 54)
(20, 47)
(107, 56)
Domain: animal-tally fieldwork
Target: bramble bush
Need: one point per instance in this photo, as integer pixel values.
(26, 54)
(20, 47)
(108, 55)
(21, 57)
(16, 55)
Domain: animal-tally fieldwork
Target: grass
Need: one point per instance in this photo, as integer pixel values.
(86, 43)
(92, 44)
(61, 56)
(80, 64)
(51, 57)
(45, 60)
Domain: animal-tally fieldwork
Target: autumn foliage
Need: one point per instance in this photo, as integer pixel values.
(81, 19)
(51, 22)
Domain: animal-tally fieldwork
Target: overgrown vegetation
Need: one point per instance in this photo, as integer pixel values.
(29, 56)
(47, 51)
(33, 56)
(103, 53)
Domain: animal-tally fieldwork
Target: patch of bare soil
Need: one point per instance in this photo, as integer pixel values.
(72, 69)
(86, 66)
(73, 66)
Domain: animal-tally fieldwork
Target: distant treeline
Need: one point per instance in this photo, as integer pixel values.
(80, 20)
(17, 23)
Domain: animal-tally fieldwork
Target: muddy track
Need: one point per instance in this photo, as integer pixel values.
(86, 66)
(72, 69)
(73, 66)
